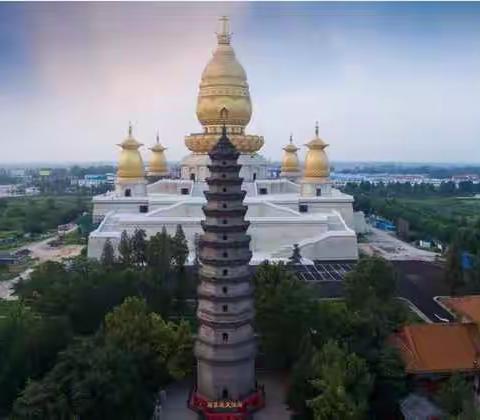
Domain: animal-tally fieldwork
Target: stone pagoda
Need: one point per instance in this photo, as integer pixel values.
(225, 347)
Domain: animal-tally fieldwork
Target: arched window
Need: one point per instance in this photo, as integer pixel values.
(128, 192)
(224, 205)
(225, 237)
(225, 290)
(225, 337)
(225, 255)
(225, 272)
(224, 190)
(225, 394)
(224, 221)
(225, 308)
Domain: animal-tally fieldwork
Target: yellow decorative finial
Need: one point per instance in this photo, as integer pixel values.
(224, 35)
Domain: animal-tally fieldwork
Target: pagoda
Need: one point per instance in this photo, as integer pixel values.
(225, 346)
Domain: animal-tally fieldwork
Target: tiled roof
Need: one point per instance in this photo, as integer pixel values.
(465, 306)
(437, 348)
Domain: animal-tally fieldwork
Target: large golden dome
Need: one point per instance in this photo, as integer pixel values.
(224, 86)
(317, 166)
(157, 165)
(290, 163)
(130, 164)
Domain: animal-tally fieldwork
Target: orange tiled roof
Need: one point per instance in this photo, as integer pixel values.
(437, 348)
(465, 306)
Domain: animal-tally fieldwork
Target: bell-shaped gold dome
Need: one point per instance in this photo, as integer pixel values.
(290, 163)
(130, 164)
(224, 85)
(317, 165)
(157, 165)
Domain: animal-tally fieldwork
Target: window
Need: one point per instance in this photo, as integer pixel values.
(128, 192)
(225, 308)
(192, 177)
(225, 394)
(225, 272)
(224, 175)
(224, 163)
(224, 205)
(224, 190)
(184, 191)
(225, 255)
(254, 176)
(144, 209)
(319, 192)
(225, 290)
(225, 237)
(225, 337)
(303, 208)
(263, 191)
(224, 221)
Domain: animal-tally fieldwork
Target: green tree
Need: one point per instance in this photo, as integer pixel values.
(179, 249)
(164, 348)
(139, 247)
(453, 269)
(91, 380)
(284, 309)
(108, 255)
(455, 394)
(125, 250)
(342, 382)
(159, 255)
(29, 344)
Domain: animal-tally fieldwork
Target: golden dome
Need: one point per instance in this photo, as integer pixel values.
(290, 161)
(317, 165)
(224, 85)
(157, 166)
(130, 164)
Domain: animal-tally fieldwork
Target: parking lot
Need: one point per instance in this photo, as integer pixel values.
(323, 271)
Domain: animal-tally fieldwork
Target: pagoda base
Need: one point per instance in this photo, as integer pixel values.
(227, 409)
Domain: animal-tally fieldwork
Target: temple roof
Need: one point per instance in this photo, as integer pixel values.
(439, 348)
(465, 306)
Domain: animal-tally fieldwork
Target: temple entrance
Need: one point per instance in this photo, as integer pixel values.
(254, 176)
(192, 177)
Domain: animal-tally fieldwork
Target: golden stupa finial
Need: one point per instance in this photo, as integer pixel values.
(316, 128)
(224, 35)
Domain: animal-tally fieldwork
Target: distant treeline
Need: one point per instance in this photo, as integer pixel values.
(440, 172)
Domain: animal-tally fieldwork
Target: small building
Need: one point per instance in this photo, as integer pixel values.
(433, 352)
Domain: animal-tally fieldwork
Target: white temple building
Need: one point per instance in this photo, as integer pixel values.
(300, 208)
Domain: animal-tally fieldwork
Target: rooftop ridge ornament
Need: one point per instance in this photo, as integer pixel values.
(224, 35)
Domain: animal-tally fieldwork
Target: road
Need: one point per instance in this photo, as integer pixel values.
(391, 248)
(41, 251)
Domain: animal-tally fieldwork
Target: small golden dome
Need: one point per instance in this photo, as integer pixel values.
(157, 166)
(316, 162)
(224, 85)
(130, 165)
(290, 161)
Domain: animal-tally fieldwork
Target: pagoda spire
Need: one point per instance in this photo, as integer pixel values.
(224, 35)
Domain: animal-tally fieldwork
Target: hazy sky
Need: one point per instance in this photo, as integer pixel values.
(386, 81)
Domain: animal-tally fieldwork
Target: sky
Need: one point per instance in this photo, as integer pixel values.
(385, 81)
